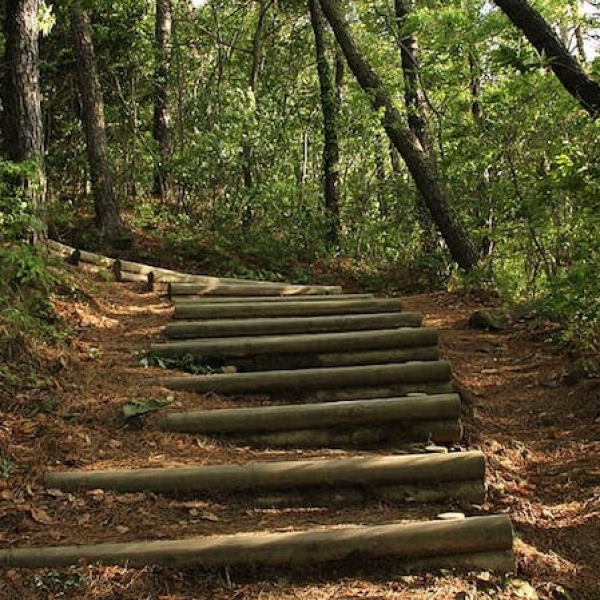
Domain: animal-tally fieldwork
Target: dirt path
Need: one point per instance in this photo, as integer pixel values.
(541, 438)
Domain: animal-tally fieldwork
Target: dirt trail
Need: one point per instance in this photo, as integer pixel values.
(541, 438)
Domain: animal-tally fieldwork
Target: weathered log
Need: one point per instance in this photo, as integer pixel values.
(476, 542)
(423, 388)
(95, 259)
(469, 491)
(58, 249)
(147, 278)
(258, 288)
(305, 416)
(201, 300)
(377, 357)
(393, 470)
(315, 379)
(283, 325)
(441, 432)
(472, 491)
(170, 276)
(288, 309)
(315, 343)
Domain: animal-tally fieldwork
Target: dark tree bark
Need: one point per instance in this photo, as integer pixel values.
(22, 122)
(163, 185)
(564, 65)
(106, 206)
(247, 150)
(415, 108)
(419, 163)
(330, 110)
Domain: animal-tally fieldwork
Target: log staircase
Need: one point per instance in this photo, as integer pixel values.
(344, 371)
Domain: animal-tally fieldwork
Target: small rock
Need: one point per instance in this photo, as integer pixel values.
(482, 319)
(451, 516)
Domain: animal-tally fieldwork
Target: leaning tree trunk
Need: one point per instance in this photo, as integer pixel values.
(419, 163)
(106, 206)
(417, 120)
(22, 122)
(163, 186)
(564, 65)
(330, 109)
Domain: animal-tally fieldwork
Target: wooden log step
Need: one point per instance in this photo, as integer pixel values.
(201, 300)
(307, 416)
(283, 325)
(316, 379)
(427, 470)
(472, 543)
(168, 275)
(289, 309)
(423, 388)
(315, 343)
(398, 435)
(285, 360)
(253, 288)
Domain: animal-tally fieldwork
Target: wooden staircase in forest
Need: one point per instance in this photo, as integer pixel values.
(332, 371)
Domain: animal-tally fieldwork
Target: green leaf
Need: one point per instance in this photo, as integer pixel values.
(135, 408)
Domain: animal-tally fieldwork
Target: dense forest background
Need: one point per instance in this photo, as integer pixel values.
(238, 139)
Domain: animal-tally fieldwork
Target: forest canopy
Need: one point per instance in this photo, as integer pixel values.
(243, 130)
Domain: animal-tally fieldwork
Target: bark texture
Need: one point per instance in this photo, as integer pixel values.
(330, 109)
(564, 65)
(415, 108)
(419, 164)
(105, 201)
(22, 123)
(163, 186)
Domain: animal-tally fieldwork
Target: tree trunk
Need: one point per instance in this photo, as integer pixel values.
(417, 121)
(22, 122)
(247, 149)
(564, 65)
(105, 201)
(160, 130)
(330, 109)
(419, 163)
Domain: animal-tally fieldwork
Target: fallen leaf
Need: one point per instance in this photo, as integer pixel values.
(122, 529)
(84, 518)
(39, 515)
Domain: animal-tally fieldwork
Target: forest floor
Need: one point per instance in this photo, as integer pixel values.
(541, 438)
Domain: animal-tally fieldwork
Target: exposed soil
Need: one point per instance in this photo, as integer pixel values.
(540, 436)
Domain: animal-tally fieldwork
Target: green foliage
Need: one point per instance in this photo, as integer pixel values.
(519, 160)
(190, 363)
(17, 218)
(136, 408)
(27, 318)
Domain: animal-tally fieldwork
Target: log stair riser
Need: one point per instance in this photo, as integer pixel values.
(477, 542)
(288, 325)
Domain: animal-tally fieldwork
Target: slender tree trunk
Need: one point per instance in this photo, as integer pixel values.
(330, 109)
(419, 163)
(417, 120)
(22, 122)
(163, 186)
(106, 206)
(564, 65)
(247, 150)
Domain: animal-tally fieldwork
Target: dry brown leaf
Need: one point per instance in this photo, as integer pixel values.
(39, 515)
